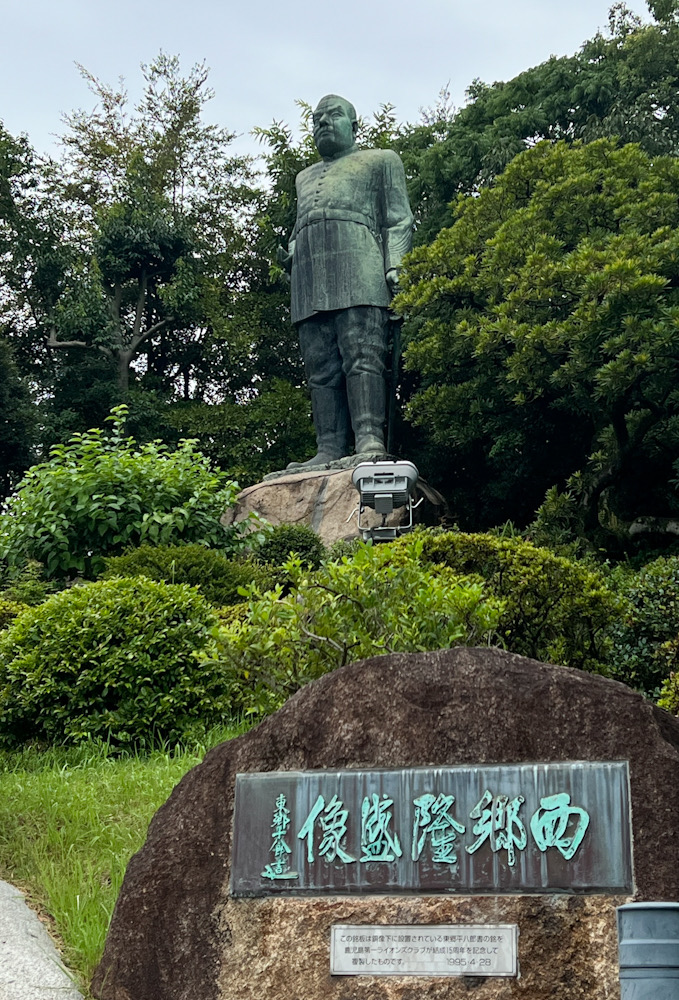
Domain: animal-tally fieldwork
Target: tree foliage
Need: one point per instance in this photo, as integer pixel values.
(99, 493)
(137, 269)
(622, 84)
(18, 424)
(542, 330)
(252, 437)
(160, 203)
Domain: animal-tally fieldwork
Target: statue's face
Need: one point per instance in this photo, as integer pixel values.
(333, 127)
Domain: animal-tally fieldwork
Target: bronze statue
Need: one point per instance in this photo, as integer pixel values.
(353, 226)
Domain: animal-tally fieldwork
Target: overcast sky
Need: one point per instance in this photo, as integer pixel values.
(263, 54)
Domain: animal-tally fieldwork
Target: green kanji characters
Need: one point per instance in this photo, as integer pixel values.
(279, 868)
(378, 843)
(559, 824)
(332, 819)
(498, 822)
(433, 819)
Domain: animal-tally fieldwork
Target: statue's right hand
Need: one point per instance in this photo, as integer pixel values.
(284, 258)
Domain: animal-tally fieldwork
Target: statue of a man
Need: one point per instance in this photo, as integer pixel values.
(353, 226)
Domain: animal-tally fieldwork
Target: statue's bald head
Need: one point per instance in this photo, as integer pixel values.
(336, 99)
(335, 126)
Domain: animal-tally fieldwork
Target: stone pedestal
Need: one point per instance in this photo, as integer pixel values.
(324, 500)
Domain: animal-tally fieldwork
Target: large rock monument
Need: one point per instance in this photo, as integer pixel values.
(462, 814)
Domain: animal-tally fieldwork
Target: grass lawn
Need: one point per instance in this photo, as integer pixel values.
(70, 819)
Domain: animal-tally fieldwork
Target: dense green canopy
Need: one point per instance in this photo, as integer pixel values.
(543, 333)
(623, 85)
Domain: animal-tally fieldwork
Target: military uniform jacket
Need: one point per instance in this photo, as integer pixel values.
(353, 224)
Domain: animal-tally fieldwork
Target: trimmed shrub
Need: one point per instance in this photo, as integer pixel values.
(114, 660)
(9, 610)
(669, 694)
(99, 494)
(363, 605)
(554, 609)
(297, 539)
(218, 577)
(28, 586)
(645, 638)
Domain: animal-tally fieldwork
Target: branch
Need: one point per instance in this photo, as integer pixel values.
(626, 450)
(343, 649)
(619, 424)
(140, 338)
(654, 525)
(336, 593)
(324, 638)
(53, 342)
(117, 299)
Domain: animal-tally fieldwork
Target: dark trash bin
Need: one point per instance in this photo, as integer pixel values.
(648, 943)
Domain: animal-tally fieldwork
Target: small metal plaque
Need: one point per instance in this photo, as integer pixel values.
(424, 950)
(561, 827)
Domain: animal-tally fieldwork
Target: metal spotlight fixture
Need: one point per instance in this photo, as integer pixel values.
(382, 487)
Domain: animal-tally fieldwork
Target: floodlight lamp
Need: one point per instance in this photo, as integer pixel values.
(384, 486)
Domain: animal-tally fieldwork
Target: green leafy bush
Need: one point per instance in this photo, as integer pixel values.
(669, 693)
(554, 609)
(98, 494)
(645, 637)
(363, 605)
(113, 659)
(27, 584)
(297, 539)
(218, 577)
(9, 611)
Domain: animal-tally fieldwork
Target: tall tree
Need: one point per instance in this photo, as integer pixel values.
(623, 84)
(164, 204)
(139, 268)
(543, 337)
(142, 226)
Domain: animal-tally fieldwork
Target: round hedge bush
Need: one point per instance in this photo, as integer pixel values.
(220, 579)
(113, 660)
(555, 609)
(645, 636)
(298, 539)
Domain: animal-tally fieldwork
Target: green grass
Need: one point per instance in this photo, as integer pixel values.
(70, 819)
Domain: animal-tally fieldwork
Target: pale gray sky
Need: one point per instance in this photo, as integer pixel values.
(263, 55)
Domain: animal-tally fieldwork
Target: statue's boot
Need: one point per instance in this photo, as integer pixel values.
(367, 396)
(331, 420)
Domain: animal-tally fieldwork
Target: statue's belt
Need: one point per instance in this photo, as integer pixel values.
(335, 215)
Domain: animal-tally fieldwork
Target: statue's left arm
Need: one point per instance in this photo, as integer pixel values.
(397, 222)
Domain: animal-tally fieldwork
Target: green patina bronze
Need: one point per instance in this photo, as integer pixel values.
(551, 827)
(279, 868)
(353, 227)
(434, 819)
(333, 823)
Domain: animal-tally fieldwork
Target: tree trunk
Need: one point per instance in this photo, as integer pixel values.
(124, 358)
